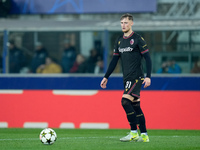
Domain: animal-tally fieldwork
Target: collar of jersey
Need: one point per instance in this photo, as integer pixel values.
(126, 37)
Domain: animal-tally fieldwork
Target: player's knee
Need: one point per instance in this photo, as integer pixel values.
(136, 104)
(125, 102)
(137, 108)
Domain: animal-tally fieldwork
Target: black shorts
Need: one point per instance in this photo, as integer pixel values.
(133, 87)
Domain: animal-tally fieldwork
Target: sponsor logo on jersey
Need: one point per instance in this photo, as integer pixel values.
(132, 41)
(119, 42)
(127, 49)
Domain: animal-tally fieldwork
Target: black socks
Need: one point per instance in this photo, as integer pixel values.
(130, 112)
(140, 117)
(134, 114)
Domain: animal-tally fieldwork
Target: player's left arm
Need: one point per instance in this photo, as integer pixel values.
(145, 52)
(147, 80)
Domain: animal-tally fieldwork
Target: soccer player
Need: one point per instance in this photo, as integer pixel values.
(131, 48)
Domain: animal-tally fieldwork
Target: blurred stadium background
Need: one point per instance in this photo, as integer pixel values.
(171, 29)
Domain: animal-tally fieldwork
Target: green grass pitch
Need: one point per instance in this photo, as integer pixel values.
(98, 139)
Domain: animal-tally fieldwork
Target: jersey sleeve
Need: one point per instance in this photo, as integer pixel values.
(112, 66)
(116, 45)
(148, 64)
(142, 45)
(114, 60)
(145, 52)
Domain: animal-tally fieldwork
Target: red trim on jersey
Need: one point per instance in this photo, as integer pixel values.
(126, 37)
(145, 51)
(115, 53)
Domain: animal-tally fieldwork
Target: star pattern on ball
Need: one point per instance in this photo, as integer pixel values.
(49, 141)
(51, 132)
(43, 134)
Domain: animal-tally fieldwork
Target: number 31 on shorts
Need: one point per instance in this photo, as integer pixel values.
(128, 84)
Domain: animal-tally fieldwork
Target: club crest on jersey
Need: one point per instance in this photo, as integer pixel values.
(132, 41)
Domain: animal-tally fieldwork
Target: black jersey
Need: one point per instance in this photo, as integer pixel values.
(130, 50)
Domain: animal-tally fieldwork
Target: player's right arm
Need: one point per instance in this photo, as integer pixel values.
(111, 68)
(112, 65)
(103, 83)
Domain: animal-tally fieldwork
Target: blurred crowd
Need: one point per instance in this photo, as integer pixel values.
(170, 66)
(71, 61)
(42, 62)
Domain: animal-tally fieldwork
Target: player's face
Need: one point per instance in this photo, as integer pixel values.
(126, 25)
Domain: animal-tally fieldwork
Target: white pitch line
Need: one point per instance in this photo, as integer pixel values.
(174, 136)
(63, 138)
(107, 137)
(21, 139)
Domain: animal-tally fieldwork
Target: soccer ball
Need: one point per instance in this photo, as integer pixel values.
(48, 136)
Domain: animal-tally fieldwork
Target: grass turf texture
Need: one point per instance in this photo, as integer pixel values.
(91, 139)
